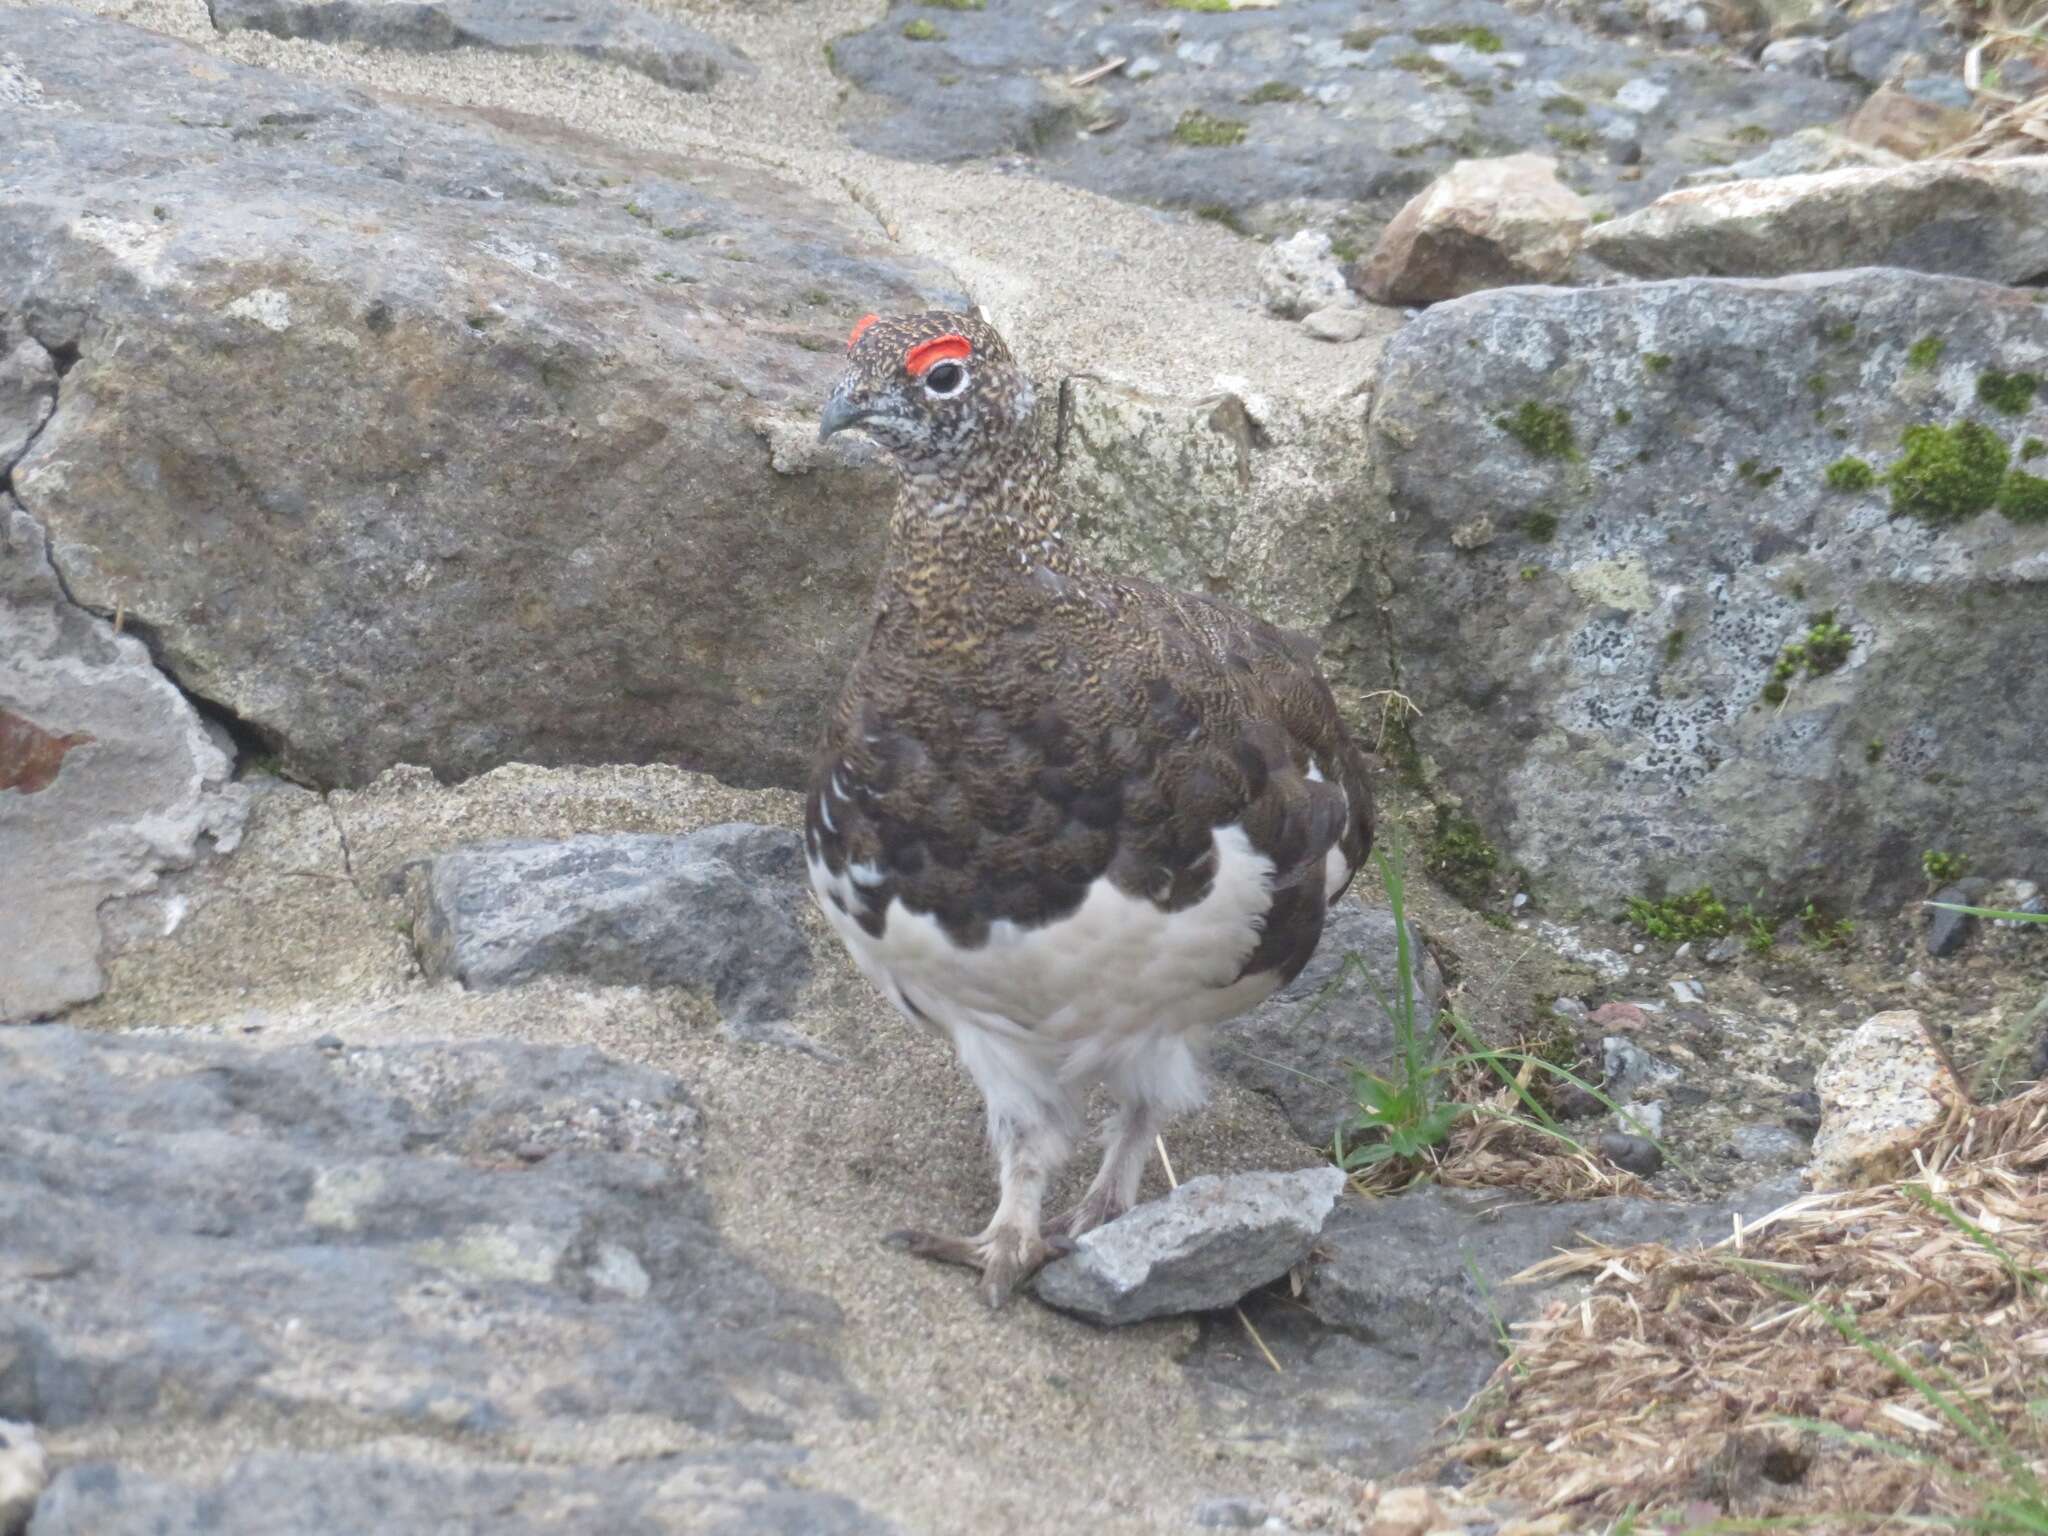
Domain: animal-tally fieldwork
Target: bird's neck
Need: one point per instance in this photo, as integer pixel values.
(966, 545)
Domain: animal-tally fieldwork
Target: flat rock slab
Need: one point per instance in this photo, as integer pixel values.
(503, 1248)
(1603, 688)
(1296, 1046)
(1973, 218)
(1203, 1246)
(1399, 1321)
(656, 46)
(1880, 1090)
(715, 910)
(1256, 117)
(408, 438)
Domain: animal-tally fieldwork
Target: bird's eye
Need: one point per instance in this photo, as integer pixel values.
(945, 380)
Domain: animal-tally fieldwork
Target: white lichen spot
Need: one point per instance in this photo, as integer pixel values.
(268, 307)
(1623, 583)
(137, 246)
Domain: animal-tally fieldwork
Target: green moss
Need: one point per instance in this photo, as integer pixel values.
(1826, 646)
(1774, 692)
(1276, 90)
(1817, 384)
(1925, 353)
(2024, 497)
(1202, 131)
(1841, 332)
(1674, 646)
(1947, 473)
(918, 30)
(1751, 133)
(1478, 39)
(1823, 932)
(1568, 136)
(2011, 393)
(1358, 39)
(1697, 915)
(1198, 5)
(1345, 249)
(1461, 858)
(1657, 362)
(1423, 64)
(1941, 868)
(955, 5)
(1623, 415)
(1565, 106)
(1850, 475)
(1539, 527)
(1752, 472)
(2032, 449)
(1220, 213)
(1531, 572)
(1873, 749)
(1542, 429)
(1482, 93)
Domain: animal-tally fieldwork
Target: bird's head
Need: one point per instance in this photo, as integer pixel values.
(933, 389)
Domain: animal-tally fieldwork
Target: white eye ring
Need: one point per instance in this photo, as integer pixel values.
(943, 372)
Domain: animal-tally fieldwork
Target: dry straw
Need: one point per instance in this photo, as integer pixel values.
(1713, 1381)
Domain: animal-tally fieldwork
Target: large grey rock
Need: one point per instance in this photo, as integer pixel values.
(1886, 45)
(716, 910)
(108, 777)
(1297, 1047)
(1337, 111)
(501, 1250)
(1400, 1319)
(410, 438)
(605, 30)
(1202, 1246)
(1973, 218)
(1594, 683)
(279, 1493)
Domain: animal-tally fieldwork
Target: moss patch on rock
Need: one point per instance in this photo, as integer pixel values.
(1544, 430)
(1695, 915)
(1461, 858)
(2024, 497)
(1850, 474)
(2010, 393)
(1947, 473)
(1202, 131)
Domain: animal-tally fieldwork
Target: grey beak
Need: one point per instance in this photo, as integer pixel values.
(841, 411)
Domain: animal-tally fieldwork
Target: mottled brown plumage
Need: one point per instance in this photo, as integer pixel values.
(1032, 763)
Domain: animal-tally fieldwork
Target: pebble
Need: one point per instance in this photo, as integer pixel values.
(329, 1043)
(1643, 1119)
(1230, 1514)
(1619, 1016)
(1569, 1008)
(1765, 1143)
(1686, 990)
(1631, 1154)
(1641, 96)
(1724, 950)
(1629, 1067)
(1406, 1511)
(1335, 323)
(1798, 55)
(1948, 931)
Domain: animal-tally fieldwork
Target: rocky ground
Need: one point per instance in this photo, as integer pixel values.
(419, 583)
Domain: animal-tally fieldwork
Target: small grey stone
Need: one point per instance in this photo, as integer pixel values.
(1569, 1008)
(1641, 96)
(1569, 1101)
(329, 1043)
(1687, 990)
(1641, 1117)
(1942, 91)
(1947, 931)
(1802, 55)
(1632, 1154)
(1766, 1143)
(1629, 1068)
(1876, 47)
(1724, 950)
(1203, 1246)
(1230, 1513)
(1336, 322)
(1143, 67)
(716, 910)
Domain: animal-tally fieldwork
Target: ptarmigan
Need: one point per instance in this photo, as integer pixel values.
(1064, 820)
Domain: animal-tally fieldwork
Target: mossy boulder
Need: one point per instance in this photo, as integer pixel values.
(1822, 610)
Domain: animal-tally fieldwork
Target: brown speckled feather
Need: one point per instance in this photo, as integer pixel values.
(1017, 727)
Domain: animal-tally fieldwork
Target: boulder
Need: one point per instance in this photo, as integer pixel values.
(1297, 1046)
(501, 1251)
(1907, 125)
(405, 437)
(715, 911)
(1300, 275)
(108, 777)
(1201, 1247)
(1697, 657)
(1974, 218)
(1482, 224)
(1879, 1092)
(612, 33)
(1805, 153)
(1888, 45)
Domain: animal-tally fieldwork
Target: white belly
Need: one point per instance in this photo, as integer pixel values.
(1087, 986)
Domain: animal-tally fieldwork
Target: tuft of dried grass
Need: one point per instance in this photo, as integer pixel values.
(1673, 1382)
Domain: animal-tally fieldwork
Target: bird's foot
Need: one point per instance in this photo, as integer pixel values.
(1092, 1211)
(1006, 1257)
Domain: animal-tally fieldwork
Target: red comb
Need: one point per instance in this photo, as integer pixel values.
(925, 354)
(860, 328)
